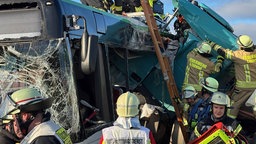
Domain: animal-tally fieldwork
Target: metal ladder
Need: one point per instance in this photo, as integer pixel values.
(164, 63)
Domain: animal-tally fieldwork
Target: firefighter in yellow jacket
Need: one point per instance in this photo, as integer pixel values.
(124, 6)
(244, 60)
(199, 66)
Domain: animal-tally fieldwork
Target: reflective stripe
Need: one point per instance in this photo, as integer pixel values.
(64, 136)
(244, 84)
(197, 132)
(139, 9)
(197, 64)
(237, 130)
(247, 73)
(116, 8)
(200, 75)
(186, 77)
(228, 54)
(250, 58)
(151, 2)
(184, 121)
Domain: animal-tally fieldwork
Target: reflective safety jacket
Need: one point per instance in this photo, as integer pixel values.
(198, 67)
(245, 66)
(231, 124)
(49, 129)
(118, 135)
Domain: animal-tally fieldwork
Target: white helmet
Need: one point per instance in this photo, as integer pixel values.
(189, 92)
(204, 48)
(127, 105)
(220, 98)
(209, 83)
(244, 41)
(23, 100)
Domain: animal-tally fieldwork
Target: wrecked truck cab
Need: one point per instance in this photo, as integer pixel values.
(207, 25)
(82, 57)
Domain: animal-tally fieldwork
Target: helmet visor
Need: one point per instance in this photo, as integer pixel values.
(188, 94)
(7, 106)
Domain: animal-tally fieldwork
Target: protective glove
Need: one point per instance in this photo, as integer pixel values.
(116, 9)
(216, 47)
(213, 45)
(220, 59)
(218, 67)
(185, 107)
(218, 64)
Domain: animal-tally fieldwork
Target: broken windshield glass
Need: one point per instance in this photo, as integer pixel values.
(46, 65)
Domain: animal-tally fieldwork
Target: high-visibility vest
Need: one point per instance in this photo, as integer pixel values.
(48, 128)
(116, 134)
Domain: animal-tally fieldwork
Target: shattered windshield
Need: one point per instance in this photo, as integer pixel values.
(47, 65)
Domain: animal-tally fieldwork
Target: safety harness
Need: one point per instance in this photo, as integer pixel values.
(199, 111)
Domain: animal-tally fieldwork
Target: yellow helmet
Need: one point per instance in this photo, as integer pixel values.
(220, 98)
(204, 48)
(209, 83)
(244, 41)
(23, 100)
(189, 92)
(127, 105)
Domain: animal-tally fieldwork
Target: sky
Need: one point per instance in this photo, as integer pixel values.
(240, 14)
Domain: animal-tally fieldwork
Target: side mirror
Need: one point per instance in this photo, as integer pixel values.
(89, 53)
(89, 43)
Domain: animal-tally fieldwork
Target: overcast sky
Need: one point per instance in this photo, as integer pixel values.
(241, 14)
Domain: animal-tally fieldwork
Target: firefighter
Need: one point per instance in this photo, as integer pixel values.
(190, 98)
(190, 95)
(180, 26)
(244, 60)
(199, 66)
(124, 6)
(127, 128)
(219, 105)
(26, 109)
(99, 4)
(121, 6)
(201, 108)
(209, 86)
(7, 134)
